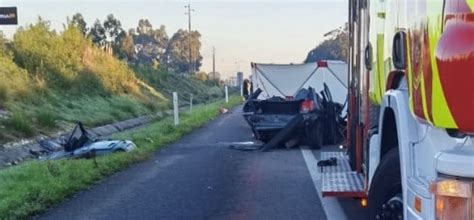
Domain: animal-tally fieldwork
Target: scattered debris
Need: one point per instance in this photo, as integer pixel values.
(325, 163)
(81, 144)
(41, 146)
(50, 145)
(246, 146)
(293, 143)
(223, 110)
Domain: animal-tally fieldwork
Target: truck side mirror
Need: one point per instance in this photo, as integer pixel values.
(399, 50)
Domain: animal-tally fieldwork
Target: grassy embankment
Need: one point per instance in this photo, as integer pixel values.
(168, 83)
(50, 80)
(32, 187)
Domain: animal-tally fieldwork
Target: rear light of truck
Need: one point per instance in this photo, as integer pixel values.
(307, 106)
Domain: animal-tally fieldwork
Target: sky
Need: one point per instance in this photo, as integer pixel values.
(261, 31)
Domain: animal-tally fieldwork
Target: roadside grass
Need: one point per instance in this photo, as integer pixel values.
(19, 122)
(92, 110)
(54, 111)
(32, 187)
(46, 119)
(168, 82)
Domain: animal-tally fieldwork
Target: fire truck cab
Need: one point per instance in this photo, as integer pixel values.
(410, 133)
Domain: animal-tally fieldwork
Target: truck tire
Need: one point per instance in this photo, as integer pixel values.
(385, 195)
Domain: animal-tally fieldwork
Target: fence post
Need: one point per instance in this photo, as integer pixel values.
(241, 89)
(191, 103)
(175, 108)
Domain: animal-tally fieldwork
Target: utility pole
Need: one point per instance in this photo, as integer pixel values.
(188, 13)
(214, 63)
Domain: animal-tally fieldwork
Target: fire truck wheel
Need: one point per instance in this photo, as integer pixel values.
(385, 194)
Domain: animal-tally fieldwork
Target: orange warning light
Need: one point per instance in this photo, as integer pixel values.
(418, 204)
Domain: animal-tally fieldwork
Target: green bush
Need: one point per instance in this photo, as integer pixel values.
(3, 93)
(62, 76)
(20, 123)
(14, 81)
(69, 61)
(46, 118)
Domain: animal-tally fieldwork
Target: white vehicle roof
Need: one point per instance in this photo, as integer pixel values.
(286, 79)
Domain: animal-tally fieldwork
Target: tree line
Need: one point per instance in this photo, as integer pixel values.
(334, 47)
(144, 45)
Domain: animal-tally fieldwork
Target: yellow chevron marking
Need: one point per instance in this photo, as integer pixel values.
(471, 4)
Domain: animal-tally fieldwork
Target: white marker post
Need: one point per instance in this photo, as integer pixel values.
(226, 94)
(191, 103)
(241, 89)
(175, 108)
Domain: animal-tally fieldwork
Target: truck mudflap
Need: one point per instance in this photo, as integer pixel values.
(339, 180)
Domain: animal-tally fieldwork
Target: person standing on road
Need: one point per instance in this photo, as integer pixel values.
(247, 89)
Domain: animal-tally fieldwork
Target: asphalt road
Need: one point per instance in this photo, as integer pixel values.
(200, 177)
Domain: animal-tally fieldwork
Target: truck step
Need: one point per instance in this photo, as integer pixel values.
(340, 180)
(342, 162)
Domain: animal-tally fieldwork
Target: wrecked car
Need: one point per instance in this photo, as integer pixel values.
(288, 112)
(308, 118)
(80, 144)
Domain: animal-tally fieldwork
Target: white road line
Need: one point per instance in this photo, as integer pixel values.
(331, 206)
